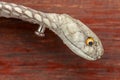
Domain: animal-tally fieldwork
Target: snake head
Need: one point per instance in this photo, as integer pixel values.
(80, 39)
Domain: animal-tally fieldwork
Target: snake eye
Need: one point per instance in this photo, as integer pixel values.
(89, 41)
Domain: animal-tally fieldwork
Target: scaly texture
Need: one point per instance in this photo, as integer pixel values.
(73, 32)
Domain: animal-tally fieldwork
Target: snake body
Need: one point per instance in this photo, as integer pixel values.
(72, 31)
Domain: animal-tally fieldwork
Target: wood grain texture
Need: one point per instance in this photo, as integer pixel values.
(25, 56)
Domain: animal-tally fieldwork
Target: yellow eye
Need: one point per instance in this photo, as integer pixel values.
(89, 41)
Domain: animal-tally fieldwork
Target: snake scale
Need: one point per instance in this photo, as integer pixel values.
(77, 36)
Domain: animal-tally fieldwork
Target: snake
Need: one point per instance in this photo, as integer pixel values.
(80, 39)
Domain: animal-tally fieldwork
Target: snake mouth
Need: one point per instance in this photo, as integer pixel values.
(89, 58)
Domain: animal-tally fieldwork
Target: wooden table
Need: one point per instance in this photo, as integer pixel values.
(25, 56)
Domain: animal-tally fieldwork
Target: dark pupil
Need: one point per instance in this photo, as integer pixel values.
(90, 43)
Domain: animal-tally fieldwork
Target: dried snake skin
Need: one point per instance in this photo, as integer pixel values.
(72, 31)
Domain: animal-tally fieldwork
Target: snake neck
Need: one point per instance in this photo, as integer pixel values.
(10, 10)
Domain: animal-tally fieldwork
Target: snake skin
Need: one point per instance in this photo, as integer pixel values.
(72, 31)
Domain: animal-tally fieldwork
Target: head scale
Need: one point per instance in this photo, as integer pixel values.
(81, 40)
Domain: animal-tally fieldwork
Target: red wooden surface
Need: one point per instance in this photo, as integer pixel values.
(25, 56)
